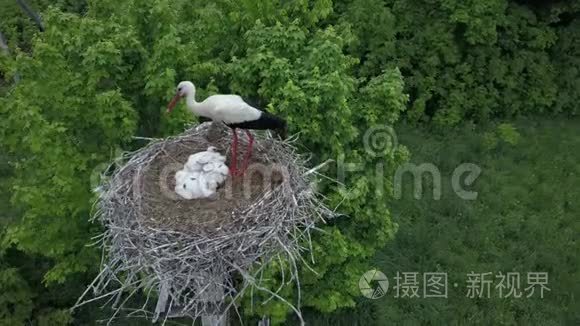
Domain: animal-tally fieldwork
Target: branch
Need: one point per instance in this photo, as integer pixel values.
(34, 16)
(3, 44)
(6, 50)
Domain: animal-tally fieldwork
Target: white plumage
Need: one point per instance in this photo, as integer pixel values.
(233, 111)
(196, 161)
(227, 108)
(187, 185)
(203, 173)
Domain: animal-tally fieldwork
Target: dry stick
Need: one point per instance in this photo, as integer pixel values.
(34, 16)
(250, 279)
(3, 44)
(88, 288)
(38, 22)
(6, 50)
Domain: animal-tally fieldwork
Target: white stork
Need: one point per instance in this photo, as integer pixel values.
(234, 112)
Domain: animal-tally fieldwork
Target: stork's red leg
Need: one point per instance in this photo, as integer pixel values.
(248, 151)
(234, 161)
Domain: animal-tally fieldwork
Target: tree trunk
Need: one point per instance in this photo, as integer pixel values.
(213, 293)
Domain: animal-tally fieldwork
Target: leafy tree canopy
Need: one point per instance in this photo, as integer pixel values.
(91, 82)
(103, 71)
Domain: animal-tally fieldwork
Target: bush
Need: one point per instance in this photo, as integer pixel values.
(525, 219)
(471, 60)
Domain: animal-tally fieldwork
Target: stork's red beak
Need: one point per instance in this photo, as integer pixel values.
(173, 102)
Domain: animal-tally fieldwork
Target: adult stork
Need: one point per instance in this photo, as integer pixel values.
(234, 112)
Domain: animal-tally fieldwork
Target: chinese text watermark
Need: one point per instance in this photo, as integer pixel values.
(374, 284)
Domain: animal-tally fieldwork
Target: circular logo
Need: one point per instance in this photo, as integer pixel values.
(380, 141)
(373, 284)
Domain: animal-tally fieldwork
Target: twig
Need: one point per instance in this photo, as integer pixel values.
(6, 51)
(33, 15)
(3, 44)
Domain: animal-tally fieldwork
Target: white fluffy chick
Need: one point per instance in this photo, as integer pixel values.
(196, 161)
(187, 184)
(218, 171)
(203, 173)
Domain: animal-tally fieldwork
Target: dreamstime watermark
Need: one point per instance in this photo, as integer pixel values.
(379, 142)
(473, 171)
(382, 141)
(258, 178)
(374, 285)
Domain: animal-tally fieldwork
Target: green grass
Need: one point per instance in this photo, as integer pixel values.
(526, 219)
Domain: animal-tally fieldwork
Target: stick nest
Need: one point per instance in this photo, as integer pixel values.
(196, 257)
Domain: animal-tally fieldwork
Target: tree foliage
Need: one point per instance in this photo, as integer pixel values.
(471, 60)
(93, 81)
(525, 219)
